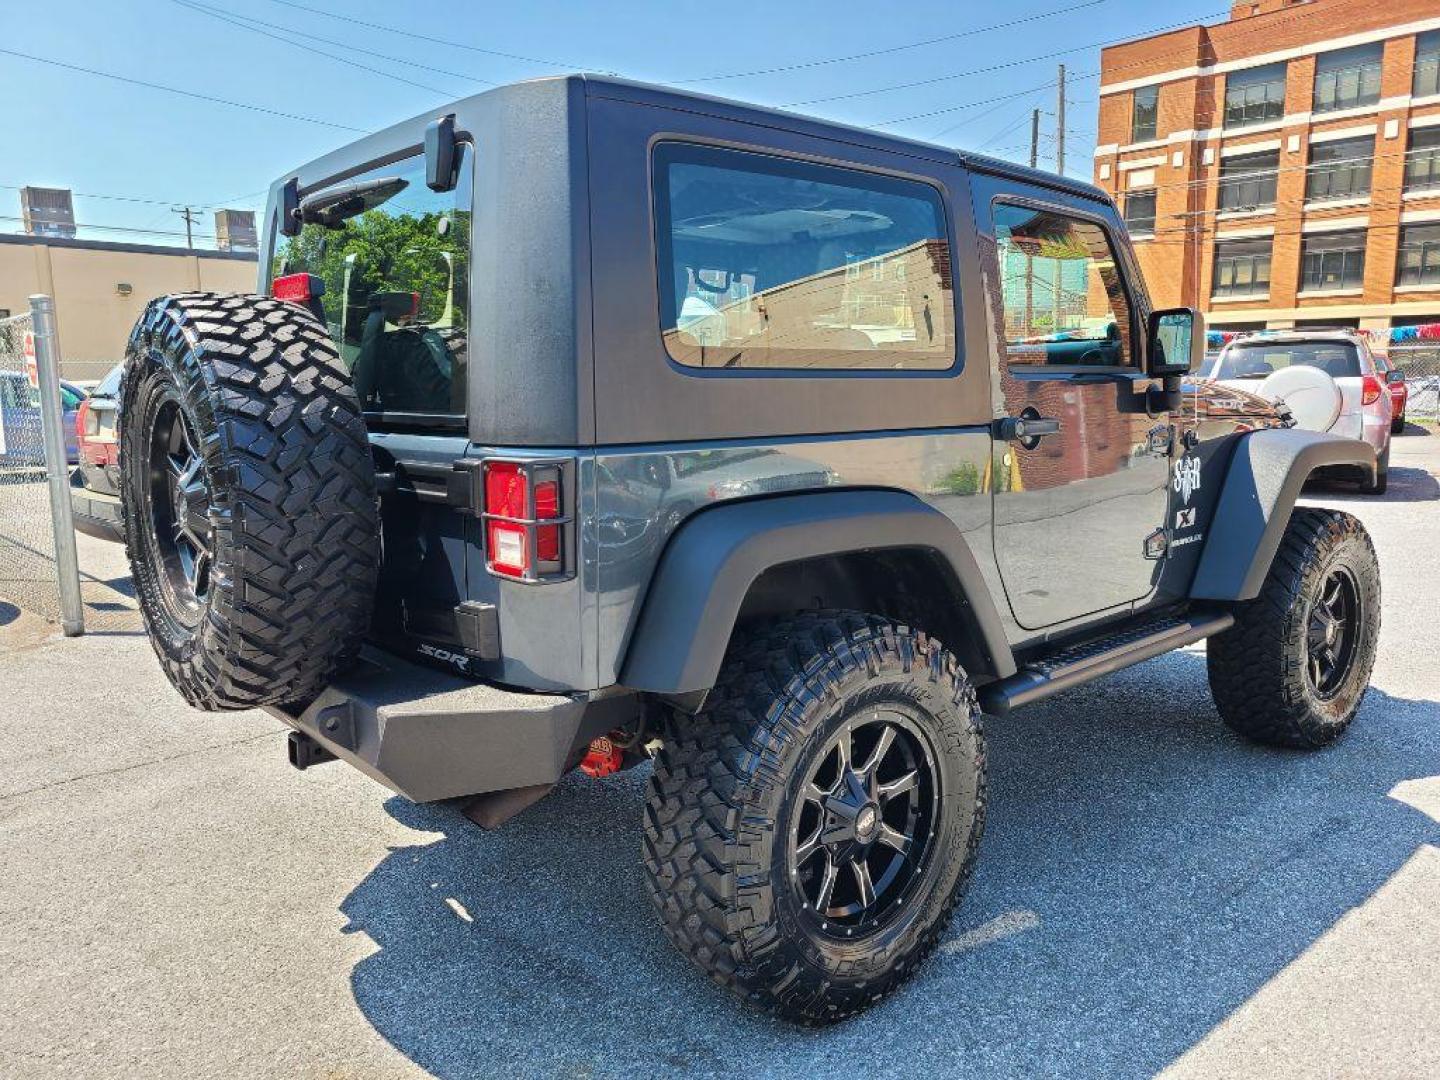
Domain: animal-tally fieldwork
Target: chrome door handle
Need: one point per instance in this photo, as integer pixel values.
(1026, 428)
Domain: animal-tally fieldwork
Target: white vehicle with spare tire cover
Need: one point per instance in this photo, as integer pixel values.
(1326, 378)
(594, 423)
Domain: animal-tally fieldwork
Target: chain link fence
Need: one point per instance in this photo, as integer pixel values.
(29, 577)
(1421, 365)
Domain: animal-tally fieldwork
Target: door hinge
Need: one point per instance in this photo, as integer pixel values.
(1156, 544)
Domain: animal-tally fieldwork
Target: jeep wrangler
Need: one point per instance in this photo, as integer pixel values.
(594, 422)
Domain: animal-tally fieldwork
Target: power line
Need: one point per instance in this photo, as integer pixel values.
(226, 204)
(470, 76)
(118, 228)
(432, 40)
(176, 90)
(202, 10)
(806, 64)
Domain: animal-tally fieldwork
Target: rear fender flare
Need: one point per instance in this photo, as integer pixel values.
(715, 557)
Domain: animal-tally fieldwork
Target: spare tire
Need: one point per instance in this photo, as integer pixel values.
(1310, 393)
(251, 518)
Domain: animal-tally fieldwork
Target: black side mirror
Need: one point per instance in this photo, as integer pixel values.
(1171, 342)
(440, 153)
(1395, 375)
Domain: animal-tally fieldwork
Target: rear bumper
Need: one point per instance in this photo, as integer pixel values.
(96, 514)
(430, 735)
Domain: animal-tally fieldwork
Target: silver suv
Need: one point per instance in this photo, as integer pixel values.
(1327, 378)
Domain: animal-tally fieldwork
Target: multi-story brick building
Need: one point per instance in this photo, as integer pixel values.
(1283, 168)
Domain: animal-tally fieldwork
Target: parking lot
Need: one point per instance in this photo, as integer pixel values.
(1153, 895)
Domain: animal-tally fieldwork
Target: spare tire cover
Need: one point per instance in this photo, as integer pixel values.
(1310, 394)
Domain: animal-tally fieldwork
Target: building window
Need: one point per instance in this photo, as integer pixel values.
(1340, 169)
(1333, 261)
(1140, 212)
(1427, 64)
(1419, 255)
(1254, 96)
(1145, 113)
(771, 263)
(1348, 78)
(1247, 181)
(1422, 162)
(1242, 268)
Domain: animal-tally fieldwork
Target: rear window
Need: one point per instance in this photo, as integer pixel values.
(395, 260)
(770, 263)
(1256, 360)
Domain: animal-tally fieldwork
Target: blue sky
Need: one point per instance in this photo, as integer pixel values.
(99, 137)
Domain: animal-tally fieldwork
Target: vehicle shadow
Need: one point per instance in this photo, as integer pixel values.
(1407, 484)
(1154, 872)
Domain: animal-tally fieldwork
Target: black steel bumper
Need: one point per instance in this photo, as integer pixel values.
(430, 735)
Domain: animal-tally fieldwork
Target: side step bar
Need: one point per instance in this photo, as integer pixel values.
(1080, 664)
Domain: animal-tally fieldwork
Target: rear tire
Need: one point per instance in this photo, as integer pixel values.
(1280, 675)
(251, 519)
(744, 789)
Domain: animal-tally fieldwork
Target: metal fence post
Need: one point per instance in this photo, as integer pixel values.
(47, 361)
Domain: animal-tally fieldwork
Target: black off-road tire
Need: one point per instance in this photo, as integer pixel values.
(717, 833)
(1260, 673)
(293, 518)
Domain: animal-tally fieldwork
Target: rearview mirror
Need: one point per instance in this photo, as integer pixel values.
(1395, 375)
(1171, 342)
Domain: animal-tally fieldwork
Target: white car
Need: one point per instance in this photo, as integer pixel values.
(1327, 378)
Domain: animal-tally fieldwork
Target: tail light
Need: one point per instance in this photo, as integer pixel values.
(1371, 391)
(297, 288)
(92, 449)
(525, 519)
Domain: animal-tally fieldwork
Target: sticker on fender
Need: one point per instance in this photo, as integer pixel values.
(1185, 519)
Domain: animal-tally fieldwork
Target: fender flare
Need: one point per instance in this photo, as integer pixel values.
(1264, 479)
(715, 556)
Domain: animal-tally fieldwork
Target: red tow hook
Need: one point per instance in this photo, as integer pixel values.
(602, 759)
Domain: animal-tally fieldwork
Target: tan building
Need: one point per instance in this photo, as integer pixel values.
(1283, 167)
(101, 287)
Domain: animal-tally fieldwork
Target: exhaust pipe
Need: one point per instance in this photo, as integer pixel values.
(305, 751)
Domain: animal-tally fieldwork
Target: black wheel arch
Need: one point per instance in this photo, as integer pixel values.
(876, 550)
(1262, 484)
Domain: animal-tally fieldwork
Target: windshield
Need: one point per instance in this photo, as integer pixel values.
(394, 258)
(1259, 359)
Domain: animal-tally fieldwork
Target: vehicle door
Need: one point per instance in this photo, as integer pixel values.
(1082, 469)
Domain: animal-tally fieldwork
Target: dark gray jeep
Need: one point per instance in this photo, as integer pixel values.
(595, 421)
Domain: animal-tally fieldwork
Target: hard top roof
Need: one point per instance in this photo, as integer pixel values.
(608, 86)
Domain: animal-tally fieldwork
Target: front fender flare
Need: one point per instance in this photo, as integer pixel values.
(1262, 483)
(712, 560)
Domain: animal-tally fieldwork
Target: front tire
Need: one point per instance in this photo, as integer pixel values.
(1294, 668)
(809, 833)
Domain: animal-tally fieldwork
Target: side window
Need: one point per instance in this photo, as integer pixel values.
(1062, 294)
(768, 263)
(395, 260)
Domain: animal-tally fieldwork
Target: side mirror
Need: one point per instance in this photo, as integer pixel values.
(1395, 375)
(1171, 342)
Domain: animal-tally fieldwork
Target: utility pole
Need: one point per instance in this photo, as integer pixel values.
(1034, 138)
(190, 218)
(1060, 123)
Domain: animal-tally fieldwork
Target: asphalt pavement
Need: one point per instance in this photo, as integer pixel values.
(1153, 895)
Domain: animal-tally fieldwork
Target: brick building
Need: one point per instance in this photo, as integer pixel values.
(1283, 168)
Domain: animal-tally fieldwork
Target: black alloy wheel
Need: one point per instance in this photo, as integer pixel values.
(181, 532)
(862, 826)
(1333, 633)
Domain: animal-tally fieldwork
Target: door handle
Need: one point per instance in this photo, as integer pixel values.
(1028, 427)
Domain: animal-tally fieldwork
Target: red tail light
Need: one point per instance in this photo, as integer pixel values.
(297, 288)
(519, 500)
(1371, 391)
